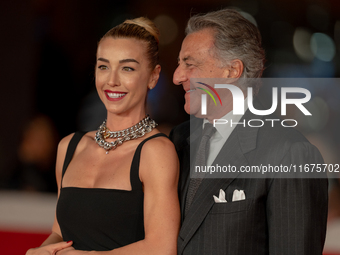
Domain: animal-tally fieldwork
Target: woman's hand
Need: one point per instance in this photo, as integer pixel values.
(71, 251)
(67, 251)
(50, 249)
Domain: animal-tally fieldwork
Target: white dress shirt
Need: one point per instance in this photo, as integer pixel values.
(222, 133)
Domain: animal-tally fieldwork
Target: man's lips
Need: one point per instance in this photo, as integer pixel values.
(190, 90)
(114, 95)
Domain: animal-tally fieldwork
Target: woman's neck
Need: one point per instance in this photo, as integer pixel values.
(116, 122)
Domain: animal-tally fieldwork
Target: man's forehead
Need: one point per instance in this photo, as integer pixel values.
(197, 42)
(205, 36)
(195, 53)
(185, 57)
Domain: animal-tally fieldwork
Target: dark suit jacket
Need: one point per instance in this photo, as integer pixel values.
(278, 216)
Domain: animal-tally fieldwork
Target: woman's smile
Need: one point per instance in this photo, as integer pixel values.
(114, 95)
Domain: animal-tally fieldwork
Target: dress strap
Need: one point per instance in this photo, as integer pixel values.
(71, 148)
(134, 171)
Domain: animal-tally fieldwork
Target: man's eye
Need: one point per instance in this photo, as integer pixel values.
(102, 67)
(129, 69)
(188, 64)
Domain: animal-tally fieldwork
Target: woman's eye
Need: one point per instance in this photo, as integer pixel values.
(129, 69)
(102, 67)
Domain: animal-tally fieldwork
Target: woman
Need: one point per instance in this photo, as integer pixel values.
(118, 195)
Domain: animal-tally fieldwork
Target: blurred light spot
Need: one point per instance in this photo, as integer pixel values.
(301, 42)
(320, 114)
(318, 16)
(333, 101)
(321, 68)
(248, 17)
(323, 47)
(168, 29)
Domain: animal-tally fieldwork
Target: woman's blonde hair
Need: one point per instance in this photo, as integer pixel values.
(141, 29)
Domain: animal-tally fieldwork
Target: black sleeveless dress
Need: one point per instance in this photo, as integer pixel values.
(102, 219)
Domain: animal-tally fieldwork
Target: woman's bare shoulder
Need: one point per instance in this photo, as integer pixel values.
(159, 159)
(64, 143)
(62, 147)
(160, 145)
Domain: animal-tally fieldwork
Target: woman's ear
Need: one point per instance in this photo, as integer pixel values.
(154, 77)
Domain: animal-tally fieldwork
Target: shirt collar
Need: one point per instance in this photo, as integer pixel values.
(225, 130)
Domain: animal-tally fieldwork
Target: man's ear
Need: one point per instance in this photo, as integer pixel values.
(235, 69)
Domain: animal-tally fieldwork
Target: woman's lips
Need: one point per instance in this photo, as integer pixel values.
(114, 95)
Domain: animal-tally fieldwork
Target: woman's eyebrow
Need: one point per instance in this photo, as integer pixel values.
(104, 60)
(128, 60)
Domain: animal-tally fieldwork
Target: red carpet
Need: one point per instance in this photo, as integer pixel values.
(16, 243)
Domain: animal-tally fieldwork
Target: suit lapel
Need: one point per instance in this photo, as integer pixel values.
(231, 153)
(190, 142)
(183, 179)
(241, 141)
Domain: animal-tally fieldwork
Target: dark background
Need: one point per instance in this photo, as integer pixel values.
(48, 52)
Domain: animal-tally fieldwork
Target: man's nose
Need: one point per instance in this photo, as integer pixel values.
(179, 76)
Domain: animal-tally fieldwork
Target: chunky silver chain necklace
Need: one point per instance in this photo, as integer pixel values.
(136, 131)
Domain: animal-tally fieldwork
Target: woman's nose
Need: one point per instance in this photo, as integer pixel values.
(113, 79)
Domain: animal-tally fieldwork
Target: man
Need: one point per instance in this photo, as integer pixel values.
(274, 215)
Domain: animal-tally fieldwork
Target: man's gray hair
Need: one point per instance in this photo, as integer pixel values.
(235, 38)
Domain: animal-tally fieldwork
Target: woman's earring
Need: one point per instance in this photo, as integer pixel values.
(150, 87)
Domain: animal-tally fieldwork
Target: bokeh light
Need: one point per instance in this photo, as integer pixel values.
(301, 42)
(320, 111)
(323, 47)
(168, 29)
(319, 119)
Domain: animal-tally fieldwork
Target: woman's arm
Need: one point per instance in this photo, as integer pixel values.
(54, 242)
(159, 171)
(51, 246)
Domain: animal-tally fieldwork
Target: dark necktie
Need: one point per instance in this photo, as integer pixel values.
(201, 160)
